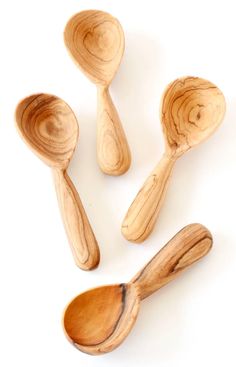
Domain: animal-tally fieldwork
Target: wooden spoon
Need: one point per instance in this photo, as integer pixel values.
(192, 109)
(98, 320)
(48, 125)
(95, 40)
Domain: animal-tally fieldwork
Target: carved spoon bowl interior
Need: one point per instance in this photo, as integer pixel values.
(95, 40)
(97, 321)
(192, 109)
(53, 129)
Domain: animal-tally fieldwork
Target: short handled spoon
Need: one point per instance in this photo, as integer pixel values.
(48, 125)
(95, 41)
(192, 109)
(98, 320)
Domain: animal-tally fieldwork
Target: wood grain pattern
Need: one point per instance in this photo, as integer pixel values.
(108, 313)
(143, 212)
(192, 109)
(112, 149)
(95, 40)
(79, 232)
(97, 321)
(186, 247)
(40, 119)
(49, 127)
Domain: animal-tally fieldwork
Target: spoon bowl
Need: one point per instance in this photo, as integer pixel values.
(192, 109)
(97, 321)
(49, 127)
(100, 317)
(95, 40)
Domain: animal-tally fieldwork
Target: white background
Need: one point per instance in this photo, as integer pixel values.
(191, 321)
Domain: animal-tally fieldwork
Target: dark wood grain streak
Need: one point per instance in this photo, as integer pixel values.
(187, 246)
(116, 323)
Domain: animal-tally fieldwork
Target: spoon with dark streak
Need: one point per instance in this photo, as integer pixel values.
(98, 320)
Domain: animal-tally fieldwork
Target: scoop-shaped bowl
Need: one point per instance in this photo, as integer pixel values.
(95, 40)
(98, 320)
(48, 125)
(191, 110)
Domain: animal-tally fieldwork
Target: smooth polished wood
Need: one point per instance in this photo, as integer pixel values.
(49, 127)
(97, 321)
(80, 234)
(95, 40)
(186, 247)
(112, 149)
(192, 109)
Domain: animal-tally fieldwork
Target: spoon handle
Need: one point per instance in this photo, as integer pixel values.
(187, 246)
(80, 234)
(113, 152)
(142, 214)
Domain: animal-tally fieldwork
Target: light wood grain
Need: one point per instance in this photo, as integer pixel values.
(97, 321)
(192, 109)
(95, 40)
(80, 234)
(142, 214)
(49, 127)
(112, 149)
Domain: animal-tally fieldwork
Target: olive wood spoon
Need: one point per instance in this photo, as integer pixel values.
(97, 321)
(95, 40)
(49, 127)
(192, 109)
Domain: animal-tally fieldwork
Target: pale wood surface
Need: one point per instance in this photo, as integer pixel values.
(112, 149)
(142, 214)
(49, 127)
(95, 40)
(192, 108)
(97, 321)
(80, 234)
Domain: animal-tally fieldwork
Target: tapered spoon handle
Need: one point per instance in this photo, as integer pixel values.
(142, 214)
(187, 246)
(80, 234)
(113, 152)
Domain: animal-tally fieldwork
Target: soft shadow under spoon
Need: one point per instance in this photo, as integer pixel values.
(192, 109)
(48, 125)
(95, 40)
(97, 321)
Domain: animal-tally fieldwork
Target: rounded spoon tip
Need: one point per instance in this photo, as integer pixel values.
(98, 320)
(191, 110)
(95, 41)
(49, 127)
